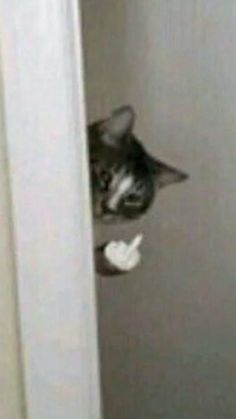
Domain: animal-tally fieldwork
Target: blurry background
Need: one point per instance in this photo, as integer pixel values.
(168, 331)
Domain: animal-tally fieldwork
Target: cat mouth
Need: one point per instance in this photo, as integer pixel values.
(102, 217)
(112, 219)
(108, 219)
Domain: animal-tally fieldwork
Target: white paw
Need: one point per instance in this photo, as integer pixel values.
(123, 256)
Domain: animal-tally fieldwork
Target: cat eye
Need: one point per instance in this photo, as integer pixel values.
(132, 200)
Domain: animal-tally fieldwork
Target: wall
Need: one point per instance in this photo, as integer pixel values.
(11, 400)
(104, 30)
(168, 330)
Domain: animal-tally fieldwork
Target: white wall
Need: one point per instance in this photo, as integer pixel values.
(168, 331)
(11, 397)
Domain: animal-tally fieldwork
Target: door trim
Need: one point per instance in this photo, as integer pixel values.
(44, 103)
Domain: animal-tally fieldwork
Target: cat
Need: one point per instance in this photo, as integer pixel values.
(125, 178)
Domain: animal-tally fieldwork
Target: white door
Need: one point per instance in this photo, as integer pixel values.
(46, 149)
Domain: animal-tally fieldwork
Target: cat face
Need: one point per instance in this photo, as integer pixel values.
(124, 177)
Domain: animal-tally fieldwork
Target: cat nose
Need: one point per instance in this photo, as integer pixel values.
(108, 209)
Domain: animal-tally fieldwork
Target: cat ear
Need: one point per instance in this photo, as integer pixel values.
(166, 175)
(119, 124)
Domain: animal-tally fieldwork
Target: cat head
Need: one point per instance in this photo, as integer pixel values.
(125, 177)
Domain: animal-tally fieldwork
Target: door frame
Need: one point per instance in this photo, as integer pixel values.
(42, 71)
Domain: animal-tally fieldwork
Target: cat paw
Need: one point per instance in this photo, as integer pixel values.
(118, 257)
